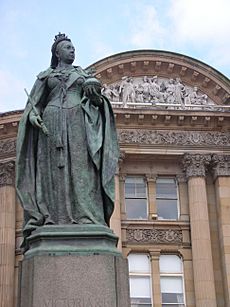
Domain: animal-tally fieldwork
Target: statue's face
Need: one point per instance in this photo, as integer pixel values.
(66, 52)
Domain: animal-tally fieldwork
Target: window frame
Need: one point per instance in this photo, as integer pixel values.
(135, 197)
(177, 275)
(142, 274)
(168, 199)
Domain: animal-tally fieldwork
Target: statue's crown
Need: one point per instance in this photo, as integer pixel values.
(59, 38)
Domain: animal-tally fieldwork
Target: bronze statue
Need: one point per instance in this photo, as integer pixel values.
(64, 172)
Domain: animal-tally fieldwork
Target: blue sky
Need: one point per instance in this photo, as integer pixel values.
(197, 28)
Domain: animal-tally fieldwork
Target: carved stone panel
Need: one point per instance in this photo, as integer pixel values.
(7, 147)
(220, 165)
(7, 171)
(156, 92)
(182, 138)
(195, 165)
(154, 236)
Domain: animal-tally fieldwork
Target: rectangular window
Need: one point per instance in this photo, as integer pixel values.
(136, 198)
(139, 280)
(167, 198)
(171, 280)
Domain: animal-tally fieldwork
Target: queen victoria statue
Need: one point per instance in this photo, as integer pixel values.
(67, 148)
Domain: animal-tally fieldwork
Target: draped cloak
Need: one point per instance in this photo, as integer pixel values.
(82, 189)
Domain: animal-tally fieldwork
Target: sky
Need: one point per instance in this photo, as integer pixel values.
(197, 28)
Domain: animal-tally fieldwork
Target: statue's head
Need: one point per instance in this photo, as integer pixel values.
(61, 41)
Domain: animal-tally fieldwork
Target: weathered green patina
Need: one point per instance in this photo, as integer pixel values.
(67, 176)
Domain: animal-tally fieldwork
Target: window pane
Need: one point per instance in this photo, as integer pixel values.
(172, 298)
(140, 301)
(167, 209)
(166, 188)
(135, 187)
(139, 263)
(136, 208)
(170, 264)
(171, 284)
(129, 190)
(139, 286)
(141, 190)
(174, 305)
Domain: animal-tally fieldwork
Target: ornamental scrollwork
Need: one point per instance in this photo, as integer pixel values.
(181, 138)
(220, 165)
(151, 236)
(7, 171)
(8, 147)
(195, 165)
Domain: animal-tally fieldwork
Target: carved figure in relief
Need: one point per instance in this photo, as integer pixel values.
(151, 90)
(192, 97)
(156, 95)
(110, 92)
(179, 91)
(170, 91)
(127, 90)
(146, 89)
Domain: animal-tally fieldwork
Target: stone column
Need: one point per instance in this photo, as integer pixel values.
(151, 184)
(155, 273)
(195, 167)
(183, 198)
(221, 172)
(116, 218)
(188, 277)
(7, 233)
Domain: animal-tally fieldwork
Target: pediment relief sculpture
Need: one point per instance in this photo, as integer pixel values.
(157, 92)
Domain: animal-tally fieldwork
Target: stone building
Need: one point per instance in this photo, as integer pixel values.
(172, 206)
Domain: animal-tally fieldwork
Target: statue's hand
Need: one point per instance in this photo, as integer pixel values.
(35, 120)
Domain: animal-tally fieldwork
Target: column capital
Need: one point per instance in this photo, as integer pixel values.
(122, 177)
(151, 177)
(7, 173)
(220, 165)
(181, 178)
(154, 254)
(195, 165)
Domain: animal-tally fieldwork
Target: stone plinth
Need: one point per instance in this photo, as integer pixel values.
(73, 266)
(72, 239)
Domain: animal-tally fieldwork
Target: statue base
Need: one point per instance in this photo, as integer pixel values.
(72, 239)
(73, 266)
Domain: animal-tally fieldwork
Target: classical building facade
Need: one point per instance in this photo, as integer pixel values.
(172, 206)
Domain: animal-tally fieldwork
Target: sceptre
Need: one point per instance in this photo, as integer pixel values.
(43, 126)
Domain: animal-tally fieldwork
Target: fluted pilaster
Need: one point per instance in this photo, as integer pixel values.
(221, 173)
(7, 233)
(195, 166)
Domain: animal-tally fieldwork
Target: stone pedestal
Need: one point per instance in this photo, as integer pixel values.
(73, 266)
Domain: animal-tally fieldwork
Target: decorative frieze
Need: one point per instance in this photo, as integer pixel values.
(7, 171)
(7, 147)
(152, 236)
(182, 138)
(220, 165)
(195, 165)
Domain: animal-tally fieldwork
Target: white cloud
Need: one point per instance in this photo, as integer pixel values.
(12, 96)
(146, 29)
(205, 25)
(200, 20)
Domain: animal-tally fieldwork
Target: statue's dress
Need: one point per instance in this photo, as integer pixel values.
(69, 191)
(66, 177)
